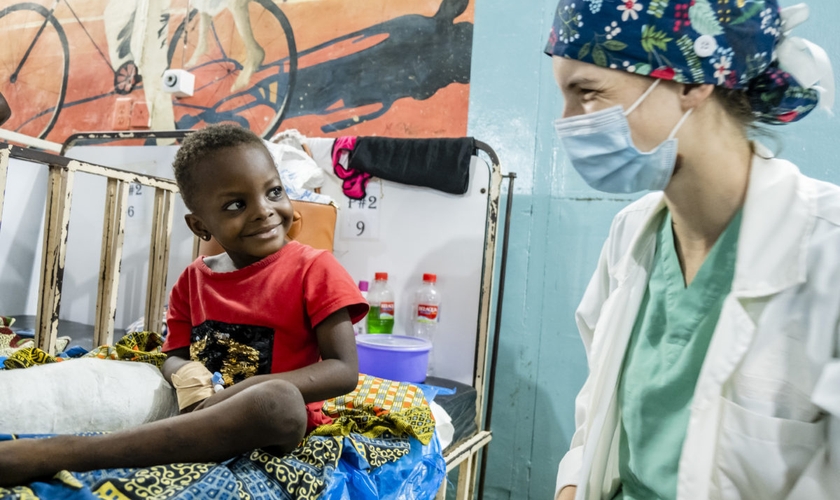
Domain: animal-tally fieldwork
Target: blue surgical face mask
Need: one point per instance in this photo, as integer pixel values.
(601, 149)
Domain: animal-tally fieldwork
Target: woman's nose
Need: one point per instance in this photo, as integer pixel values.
(570, 109)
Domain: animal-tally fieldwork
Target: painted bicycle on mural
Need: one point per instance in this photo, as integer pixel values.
(244, 57)
(224, 43)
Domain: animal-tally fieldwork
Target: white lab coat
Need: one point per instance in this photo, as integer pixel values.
(765, 418)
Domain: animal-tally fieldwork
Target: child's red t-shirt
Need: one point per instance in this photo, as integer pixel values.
(260, 319)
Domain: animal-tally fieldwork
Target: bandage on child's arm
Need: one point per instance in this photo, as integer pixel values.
(193, 383)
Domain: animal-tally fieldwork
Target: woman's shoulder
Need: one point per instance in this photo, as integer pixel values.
(777, 175)
(826, 197)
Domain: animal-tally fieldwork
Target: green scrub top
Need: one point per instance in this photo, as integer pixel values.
(669, 341)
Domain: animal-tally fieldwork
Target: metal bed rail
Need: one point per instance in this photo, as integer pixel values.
(62, 173)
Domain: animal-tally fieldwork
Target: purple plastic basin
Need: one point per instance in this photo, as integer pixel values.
(393, 357)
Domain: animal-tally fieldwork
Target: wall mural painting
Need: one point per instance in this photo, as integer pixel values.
(325, 67)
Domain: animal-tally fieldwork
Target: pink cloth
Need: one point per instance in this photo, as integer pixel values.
(355, 182)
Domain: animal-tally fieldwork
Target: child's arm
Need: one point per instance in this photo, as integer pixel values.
(336, 374)
(175, 359)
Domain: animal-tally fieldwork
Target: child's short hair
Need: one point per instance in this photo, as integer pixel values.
(198, 146)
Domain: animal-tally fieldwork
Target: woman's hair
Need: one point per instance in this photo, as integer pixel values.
(201, 144)
(737, 104)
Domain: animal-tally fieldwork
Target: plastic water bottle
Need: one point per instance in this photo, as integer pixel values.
(381, 299)
(361, 327)
(427, 313)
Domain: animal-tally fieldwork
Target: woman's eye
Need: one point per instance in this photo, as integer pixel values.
(276, 192)
(587, 94)
(236, 205)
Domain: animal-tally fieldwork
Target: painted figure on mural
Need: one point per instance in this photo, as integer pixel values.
(253, 51)
(124, 40)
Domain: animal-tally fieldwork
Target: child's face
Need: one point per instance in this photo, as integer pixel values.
(241, 202)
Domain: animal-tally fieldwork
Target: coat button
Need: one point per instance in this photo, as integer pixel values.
(705, 46)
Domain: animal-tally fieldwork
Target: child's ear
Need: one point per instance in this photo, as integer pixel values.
(197, 226)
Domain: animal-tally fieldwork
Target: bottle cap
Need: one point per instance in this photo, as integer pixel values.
(431, 278)
(364, 286)
(381, 276)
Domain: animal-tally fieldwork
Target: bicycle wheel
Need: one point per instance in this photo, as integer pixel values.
(261, 104)
(34, 64)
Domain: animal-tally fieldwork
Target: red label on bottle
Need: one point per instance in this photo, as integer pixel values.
(427, 313)
(386, 310)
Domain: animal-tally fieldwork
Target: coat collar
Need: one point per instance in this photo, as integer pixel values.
(778, 215)
(778, 218)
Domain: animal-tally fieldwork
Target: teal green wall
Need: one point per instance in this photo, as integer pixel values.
(557, 230)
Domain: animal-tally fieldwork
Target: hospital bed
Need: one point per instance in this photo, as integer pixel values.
(468, 406)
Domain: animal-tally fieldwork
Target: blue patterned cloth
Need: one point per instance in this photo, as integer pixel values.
(727, 43)
(325, 468)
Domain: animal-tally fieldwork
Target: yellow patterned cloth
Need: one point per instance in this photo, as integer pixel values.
(27, 357)
(11, 342)
(378, 393)
(378, 405)
(143, 347)
(367, 421)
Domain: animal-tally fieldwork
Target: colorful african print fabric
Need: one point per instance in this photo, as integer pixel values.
(380, 446)
(727, 43)
(11, 342)
(143, 347)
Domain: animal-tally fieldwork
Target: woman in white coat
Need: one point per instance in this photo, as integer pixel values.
(711, 323)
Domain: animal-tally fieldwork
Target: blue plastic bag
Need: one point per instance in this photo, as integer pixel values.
(416, 476)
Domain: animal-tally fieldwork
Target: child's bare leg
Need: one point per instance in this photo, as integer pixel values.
(270, 413)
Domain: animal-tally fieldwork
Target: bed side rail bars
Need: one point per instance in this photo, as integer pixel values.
(62, 171)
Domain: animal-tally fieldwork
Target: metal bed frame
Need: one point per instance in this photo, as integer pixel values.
(62, 170)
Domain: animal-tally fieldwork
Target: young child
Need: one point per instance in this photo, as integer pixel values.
(273, 317)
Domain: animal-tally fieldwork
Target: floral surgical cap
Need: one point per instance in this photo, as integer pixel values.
(734, 44)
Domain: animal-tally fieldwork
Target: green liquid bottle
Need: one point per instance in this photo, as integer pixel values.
(380, 319)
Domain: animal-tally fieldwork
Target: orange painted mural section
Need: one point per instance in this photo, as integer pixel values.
(325, 67)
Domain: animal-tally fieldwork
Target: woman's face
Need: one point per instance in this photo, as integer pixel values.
(588, 88)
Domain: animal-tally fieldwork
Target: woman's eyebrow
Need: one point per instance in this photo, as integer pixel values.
(579, 81)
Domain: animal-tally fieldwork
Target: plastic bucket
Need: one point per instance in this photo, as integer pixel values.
(393, 357)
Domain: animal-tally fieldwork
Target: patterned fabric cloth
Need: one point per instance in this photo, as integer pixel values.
(727, 43)
(142, 347)
(27, 357)
(379, 394)
(366, 440)
(10, 342)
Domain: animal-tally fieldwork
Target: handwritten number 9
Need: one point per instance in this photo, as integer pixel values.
(361, 227)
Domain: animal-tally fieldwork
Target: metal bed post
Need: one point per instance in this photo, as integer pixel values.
(116, 206)
(494, 356)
